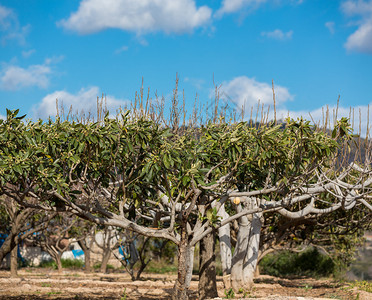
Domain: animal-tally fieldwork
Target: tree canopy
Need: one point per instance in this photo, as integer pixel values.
(171, 181)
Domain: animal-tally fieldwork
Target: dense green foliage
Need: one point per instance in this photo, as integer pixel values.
(308, 263)
(163, 181)
(53, 156)
(66, 263)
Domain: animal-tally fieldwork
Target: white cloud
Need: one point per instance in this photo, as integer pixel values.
(122, 49)
(277, 34)
(361, 39)
(245, 91)
(356, 7)
(84, 101)
(28, 53)
(10, 29)
(14, 77)
(140, 16)
(330, 26)
(232, 6)
(248, 91)
(195, 82)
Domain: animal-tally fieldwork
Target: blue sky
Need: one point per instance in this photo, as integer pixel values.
(314, 50)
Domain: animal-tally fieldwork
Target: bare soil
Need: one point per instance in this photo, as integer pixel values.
(37, 284)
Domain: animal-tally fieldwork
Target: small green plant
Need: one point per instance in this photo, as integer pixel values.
(66, 263)
(307, 287)
(229, 294)
(161, 267)
(247, 294)
(108, 267)
(72, 263)
(124, 297)
(333, 296)
(47, 264)
(362, 285)
(44, 284)
(244, 292)
(54, 293)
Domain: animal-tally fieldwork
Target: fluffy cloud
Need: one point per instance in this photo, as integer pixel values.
(248, 91)
(330, 26)
(277, 34)
(361, 39)
(84, 101)
(10, 28)
(27, 54)
(121, 49)
(140, 16)
(244, 91)
(14, 77)
(232, 6)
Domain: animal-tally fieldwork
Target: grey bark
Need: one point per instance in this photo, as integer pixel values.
(225, 247)
(237, 275)
(190, 265)
(251, 259)
(244, 262)
(105, 258)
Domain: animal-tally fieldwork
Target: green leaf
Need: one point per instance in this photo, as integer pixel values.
(166, 161)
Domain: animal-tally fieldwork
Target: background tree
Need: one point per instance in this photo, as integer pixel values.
(57, 237)
(19, 223)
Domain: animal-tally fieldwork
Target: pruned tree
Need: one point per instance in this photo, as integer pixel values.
(85, 232)
(56, 238)
(138, 174)
(19, 224)
(134, 250)
(107, 240)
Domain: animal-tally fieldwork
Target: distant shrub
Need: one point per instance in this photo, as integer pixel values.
(309, 263)
(108, 266)
(161, 267)
(72, 263)
(66, 263)
(48, 264)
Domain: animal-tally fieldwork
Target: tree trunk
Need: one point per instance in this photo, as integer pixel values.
(85, 248)
(14, 262)
(207, 269)
(237, 276)
(7, 246)
(180, 287)
(225, 247)
(190, 265)
(251, 259)
(59, 264)
(105, 258)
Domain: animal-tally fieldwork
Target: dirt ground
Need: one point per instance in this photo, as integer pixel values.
(36, 284)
